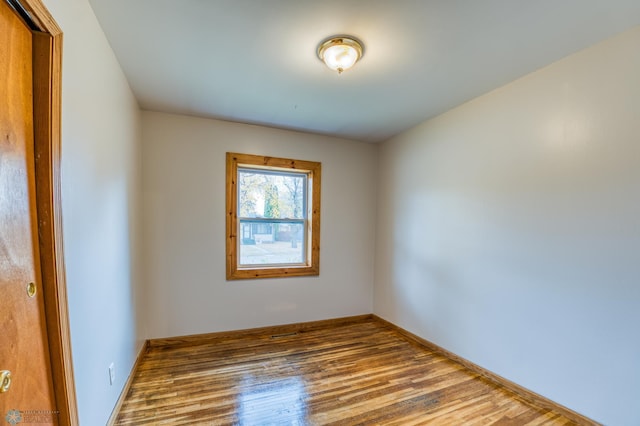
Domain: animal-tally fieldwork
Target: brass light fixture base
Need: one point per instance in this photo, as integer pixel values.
(340, 52)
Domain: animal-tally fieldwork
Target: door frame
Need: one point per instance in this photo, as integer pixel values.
(47, 106)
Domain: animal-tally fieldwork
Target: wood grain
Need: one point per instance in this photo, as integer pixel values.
(274, 330)
(361, 372)
(24, 349)
(523, 392)
(314, 173)
(125, 390)
(47, 95)
(47, 56)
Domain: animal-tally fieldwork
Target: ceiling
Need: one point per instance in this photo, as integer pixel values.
(254, 61)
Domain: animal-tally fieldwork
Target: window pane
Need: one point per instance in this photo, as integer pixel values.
(271, 195)
(269, 243)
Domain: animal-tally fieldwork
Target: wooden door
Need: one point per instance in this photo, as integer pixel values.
(24, 349)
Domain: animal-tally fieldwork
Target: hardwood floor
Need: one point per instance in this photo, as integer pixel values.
(361, 373)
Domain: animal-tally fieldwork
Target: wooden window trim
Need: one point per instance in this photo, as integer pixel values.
(313, 170)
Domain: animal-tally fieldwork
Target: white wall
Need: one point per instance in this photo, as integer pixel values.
(184, 228)
(509, 231)
(100, 193)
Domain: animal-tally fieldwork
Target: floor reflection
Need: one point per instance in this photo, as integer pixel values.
(278, 401)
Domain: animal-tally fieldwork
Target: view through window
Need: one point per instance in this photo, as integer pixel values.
(272, 216)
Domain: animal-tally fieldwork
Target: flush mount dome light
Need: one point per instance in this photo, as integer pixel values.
(340, 53)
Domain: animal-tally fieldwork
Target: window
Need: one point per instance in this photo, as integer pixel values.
(273, 217)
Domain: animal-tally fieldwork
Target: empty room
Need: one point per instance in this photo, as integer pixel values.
(310, 212)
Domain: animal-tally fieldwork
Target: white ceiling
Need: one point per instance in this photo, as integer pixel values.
(255, 61)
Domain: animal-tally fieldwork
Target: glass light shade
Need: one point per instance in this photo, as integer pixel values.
(340, 53)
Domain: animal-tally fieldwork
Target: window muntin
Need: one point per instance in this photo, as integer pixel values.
(273, 220)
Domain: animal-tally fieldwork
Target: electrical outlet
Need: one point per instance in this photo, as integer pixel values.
(112, 374)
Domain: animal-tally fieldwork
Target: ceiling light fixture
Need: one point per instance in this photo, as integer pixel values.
(340, 53)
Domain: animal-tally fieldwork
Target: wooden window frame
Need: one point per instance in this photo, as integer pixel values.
(313, 171)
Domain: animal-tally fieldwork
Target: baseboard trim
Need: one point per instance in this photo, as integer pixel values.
(521, 391)
(195, 339)
(127, 385)
(301, 327)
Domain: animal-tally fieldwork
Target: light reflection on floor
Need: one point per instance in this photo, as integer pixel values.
(279, 401)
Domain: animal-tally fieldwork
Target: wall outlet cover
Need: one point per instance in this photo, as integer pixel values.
(112, 374)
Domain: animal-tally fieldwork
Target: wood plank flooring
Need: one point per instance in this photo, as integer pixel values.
(356, 374)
